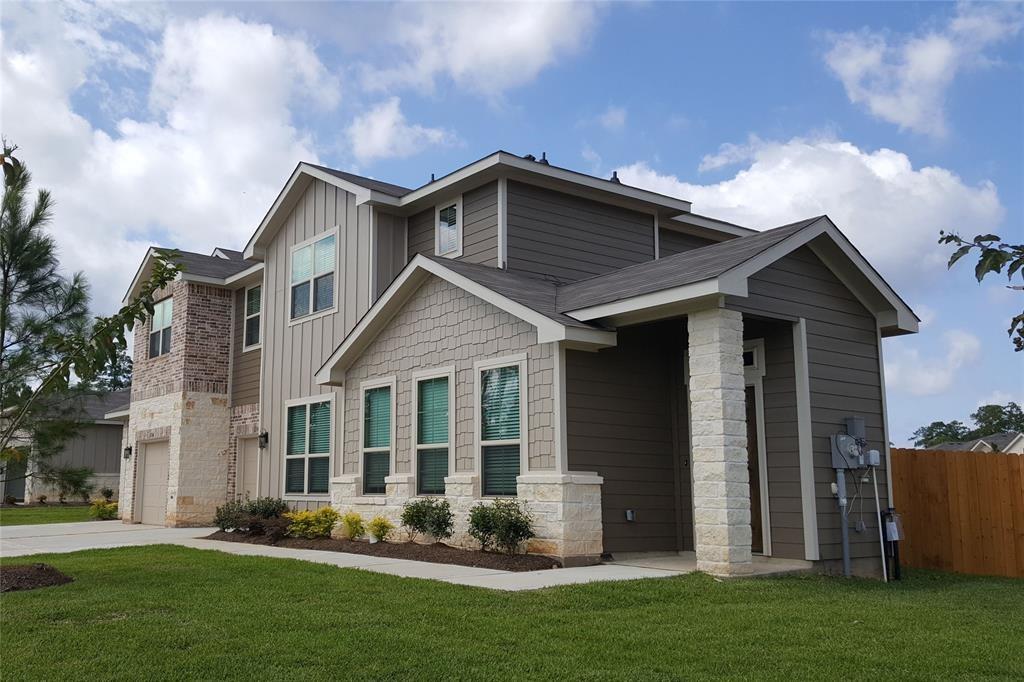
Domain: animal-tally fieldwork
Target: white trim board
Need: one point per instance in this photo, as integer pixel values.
(447, 372)
(808, 502)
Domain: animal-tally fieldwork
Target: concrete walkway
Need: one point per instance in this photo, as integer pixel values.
(72, 537)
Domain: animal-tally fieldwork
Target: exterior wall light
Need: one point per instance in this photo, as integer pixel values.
(264, 440)
(128, 452)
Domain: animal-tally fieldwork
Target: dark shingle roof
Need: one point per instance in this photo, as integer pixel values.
(95, 406)
(210, 266)
(998, 441)
(536, 294)
(706, 262)
(368, 183)
(231, 253)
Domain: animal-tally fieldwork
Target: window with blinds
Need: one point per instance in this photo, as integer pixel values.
(253, 309)
(308, 448)
(449, 230)
(377, 408)
(160, 328)
(312, 277)
(500, 429)
(433, 404)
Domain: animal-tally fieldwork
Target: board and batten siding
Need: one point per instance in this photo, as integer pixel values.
(844, 377)
(627, 420)
(245, 370)
(671, 242)
(294, 352)
(565, 238)
(96, 446)
(479, 227)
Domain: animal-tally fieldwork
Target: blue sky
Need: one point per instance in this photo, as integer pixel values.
(177, 124)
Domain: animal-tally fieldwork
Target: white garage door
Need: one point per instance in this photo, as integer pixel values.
(154, 483)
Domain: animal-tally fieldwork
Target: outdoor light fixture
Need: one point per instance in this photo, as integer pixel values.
(128, 452)
(264, 439)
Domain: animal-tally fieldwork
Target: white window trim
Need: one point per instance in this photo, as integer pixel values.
(754, 376)
(457, 253)
(365, 386)
(337, 284)
(417, 377)
(294, 402)
(518, 360)
(246, 316)
(152, 330)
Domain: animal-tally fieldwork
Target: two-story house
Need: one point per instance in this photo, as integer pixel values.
(641, 377)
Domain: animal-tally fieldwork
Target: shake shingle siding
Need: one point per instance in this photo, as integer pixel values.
(566, 238)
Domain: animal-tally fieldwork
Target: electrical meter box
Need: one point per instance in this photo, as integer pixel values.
(874, 458)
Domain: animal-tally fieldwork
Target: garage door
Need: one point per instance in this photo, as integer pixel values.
(154, 483)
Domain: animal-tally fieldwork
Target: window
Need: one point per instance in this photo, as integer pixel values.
(377, 428)
(501, 427)
(448, 241)
(253, 305)
(433, 429)
(160, 328)
(308, 449)
(313, 277)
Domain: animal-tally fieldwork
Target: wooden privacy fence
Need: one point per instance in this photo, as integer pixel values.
(962, 511)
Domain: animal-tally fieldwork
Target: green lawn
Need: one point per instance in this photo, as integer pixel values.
(171, 612)
(53, 513)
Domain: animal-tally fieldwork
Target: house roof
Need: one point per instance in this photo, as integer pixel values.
(997, 441)
(211, 266)
(368, 183)
(96, 407)
(198, 267)
(230, 254)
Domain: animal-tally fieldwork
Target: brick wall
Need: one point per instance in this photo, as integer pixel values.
(245, 423)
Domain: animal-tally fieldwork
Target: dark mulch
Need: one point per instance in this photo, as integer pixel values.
(30, 577)
(437, 553)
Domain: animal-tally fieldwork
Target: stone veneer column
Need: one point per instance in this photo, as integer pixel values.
(566, 511)
(721, 486)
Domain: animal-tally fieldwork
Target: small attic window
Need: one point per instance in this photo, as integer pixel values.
(448, 235)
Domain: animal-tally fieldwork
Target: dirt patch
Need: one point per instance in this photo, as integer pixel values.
(30, 577)
(437, 553)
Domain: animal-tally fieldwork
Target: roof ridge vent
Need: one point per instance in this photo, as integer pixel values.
(530, 157)
(615, 178)
(432, 177)
(544, 158)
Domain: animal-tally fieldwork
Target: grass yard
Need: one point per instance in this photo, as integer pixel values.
(171, 612)
(55, 513)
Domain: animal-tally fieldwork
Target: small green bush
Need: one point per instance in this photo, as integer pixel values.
(41, 499)
(429, 516)
(10, 499)
(103, 510)
(266, 507)
(380, 528)
(231, 516)
(503, 524)
(107, 493)
(312, 524)
(352, 522)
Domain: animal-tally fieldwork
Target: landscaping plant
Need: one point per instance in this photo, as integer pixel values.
(266, 507)
(107, 493)
(352, 522)
(380, 528)
(103, 510)
(503, 524)
(429, 516)
(231, 516)
(313, 524)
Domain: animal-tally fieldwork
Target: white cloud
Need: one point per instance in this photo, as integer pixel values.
(484, 47)
(383, 133)
(892, 211)
(906, 371)
(592, 158)
(613, 119)
(904, 79)
(1000, 398)
(198, 171)
(729, 154)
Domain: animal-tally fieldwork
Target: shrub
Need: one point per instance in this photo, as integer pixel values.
(107, 493)
(312, 524)
(380, 528)
(429, 516)
(10, 499)
(273, 529)
(504, 524)
(103, 510)
(41, 499)
(352, 522)
(266, 507)
(231, 516)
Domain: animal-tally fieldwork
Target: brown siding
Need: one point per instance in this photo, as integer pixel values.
(479, 227)
(843, 372)
(620, 405)
(567, 238)
(245, 370)
(671, 242)
(421, 233)
(389, 249)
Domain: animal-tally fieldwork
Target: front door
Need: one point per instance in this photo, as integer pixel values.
(154, 483)
(754, 469)
(248, 479)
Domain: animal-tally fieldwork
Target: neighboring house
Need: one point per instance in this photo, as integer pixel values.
(96, 446)
(642, 378)
(1009, 441)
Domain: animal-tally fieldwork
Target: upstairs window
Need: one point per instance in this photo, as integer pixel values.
(433, 410)
(253, 306)
(308, 449)
(501, 425)
(448, 240)
(313, 277)
(160, 328)
(377, 427)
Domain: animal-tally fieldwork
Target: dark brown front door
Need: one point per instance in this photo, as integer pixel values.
(753, 467)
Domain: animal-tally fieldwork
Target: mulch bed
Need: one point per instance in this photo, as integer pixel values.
(437, 553)
(30, 577)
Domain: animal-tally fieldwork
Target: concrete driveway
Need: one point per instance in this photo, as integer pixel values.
(58, 538)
